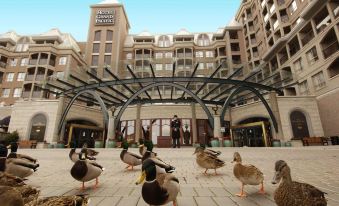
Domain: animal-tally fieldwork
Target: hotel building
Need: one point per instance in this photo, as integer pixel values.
(287, 44)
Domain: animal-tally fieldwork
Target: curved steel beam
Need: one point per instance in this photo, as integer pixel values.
(129, 101)
(173, 79)
(257, 93)
(96, 96)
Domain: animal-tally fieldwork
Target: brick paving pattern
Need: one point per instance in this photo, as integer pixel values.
(318, 166)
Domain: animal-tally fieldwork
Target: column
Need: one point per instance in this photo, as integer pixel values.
(194, 124)
(60, 109)
(276, 113)
(138, 124)
(217, 126)
(111, 129)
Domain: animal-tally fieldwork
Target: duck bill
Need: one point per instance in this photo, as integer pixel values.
(275, 179)
(141, 145)
(141, 178)
(9, 147)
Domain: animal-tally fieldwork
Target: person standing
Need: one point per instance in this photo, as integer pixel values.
(175, 125)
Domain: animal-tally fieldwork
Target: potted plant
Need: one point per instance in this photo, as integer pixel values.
(227, 142)
(215, 142)
(276, 143)
(111, 143)
(60, 144)
(99, 143)
(11, 137)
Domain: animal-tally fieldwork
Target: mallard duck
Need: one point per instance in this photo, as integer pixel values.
(155, 192)
(142, 147)
(291, 193)
(84, 170)
(89, 153)
(247, 175)
(27, 192)
(10, 196)
(148, 144)
(129, 158)
(207, 161)
(14, 148)
(74, 200)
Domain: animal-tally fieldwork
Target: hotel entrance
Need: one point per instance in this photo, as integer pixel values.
(253, 134)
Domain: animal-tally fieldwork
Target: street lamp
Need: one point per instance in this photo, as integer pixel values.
(215, 109)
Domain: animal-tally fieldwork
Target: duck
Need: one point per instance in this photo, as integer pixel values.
(148, 145)
(142, 147)
(129, 158)
(207, 161)
(16, 166)
(292, 193)
(73, 200)
(10, 180)
(155, 192)
(13, 154)
(247, 175)
(10, 196)
(84, 170)
(90, 153)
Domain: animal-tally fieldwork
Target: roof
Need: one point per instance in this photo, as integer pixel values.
(110, 2)
(11, 36)
(234, 23)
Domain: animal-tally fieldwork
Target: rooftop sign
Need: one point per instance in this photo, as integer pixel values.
(105, 17)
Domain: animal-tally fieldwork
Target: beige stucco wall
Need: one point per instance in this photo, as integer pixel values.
(92, 114)
(5, 111)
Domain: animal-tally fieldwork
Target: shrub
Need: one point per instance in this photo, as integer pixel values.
(11, 137)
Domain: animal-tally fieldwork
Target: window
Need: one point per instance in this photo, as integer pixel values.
(164, 41)
(129, 56)
(318, 80)
(109, 35)
(96, 48)
(169, 66)
(158, 55)
(95, 60)
(21, 47)
(298, 65)
(209, 65)
(107, 59)
(108, 48)
(303, 88)
(203, 40)
(21, 77)
(158, 67)
(60, 75)
(62, 60)
(168, 54)
(201, 66)
(17, 92)
(13, 62)
(24, 62)
(97, 35)
(199, 54)
(5, 92)
(292, 7)
(209, 54)
(312, 56)
(10, 77)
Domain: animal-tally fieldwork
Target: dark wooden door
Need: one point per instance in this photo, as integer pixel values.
(299, 125)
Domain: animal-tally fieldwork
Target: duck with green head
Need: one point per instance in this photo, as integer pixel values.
(84, 170)
(153, 191)
(129, 158)
(14, 148)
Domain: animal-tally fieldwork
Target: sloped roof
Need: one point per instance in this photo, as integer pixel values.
(11, 36)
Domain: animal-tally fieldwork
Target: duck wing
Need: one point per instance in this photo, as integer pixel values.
(212, 152)
(96, 165)
(135, 155)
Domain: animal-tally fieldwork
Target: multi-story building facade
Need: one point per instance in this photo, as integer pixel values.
(288, 44)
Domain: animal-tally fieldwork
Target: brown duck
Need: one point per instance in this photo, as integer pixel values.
(247, 175)
(291, 193)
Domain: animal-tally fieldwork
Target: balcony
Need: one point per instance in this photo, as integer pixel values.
(39, 77)
(43, 61)
(283, 59)
(331, 49)
(33, 61)
(329, 44)
(307, 37)
(36, 94)
(29, 77)
(26, 94)
(3, 65)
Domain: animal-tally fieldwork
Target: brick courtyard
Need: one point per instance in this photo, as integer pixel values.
(318, 166)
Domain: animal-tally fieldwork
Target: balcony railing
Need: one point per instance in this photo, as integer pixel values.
(33, 61)
(307, 37)
(29, 77)
(43, 61)
(3, 65)
(331, 49)
(283, 59)
(36, 94)
(40, 77)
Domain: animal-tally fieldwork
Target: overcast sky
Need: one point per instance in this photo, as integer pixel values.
(156, 16)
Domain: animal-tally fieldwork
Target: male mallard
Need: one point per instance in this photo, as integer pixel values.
(89, 153)
(14, 148)
(291, 193)
(207, 161)
(129, 158)
(148, 144)
(155, 192)
(247, 175)
(10, 196)
(74, 200)
(84, 170)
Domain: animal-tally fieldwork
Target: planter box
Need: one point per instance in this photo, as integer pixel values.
(111, 144)
(60, 145)
(227, 143)
(215, 143)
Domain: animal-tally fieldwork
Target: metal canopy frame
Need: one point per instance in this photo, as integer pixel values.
(116, 98)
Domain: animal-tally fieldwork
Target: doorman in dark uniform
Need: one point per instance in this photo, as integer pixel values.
(175, 125)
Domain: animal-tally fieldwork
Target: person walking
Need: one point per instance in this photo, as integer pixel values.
(175, 125)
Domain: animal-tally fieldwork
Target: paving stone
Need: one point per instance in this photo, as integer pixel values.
(222, 201)
(205, 201)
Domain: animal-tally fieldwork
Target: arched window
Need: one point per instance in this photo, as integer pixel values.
(97, 35)
(299, 125)
(164, 41)
(203, 40)
(38, 128)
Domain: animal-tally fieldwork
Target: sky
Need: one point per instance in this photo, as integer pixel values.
(28, 17)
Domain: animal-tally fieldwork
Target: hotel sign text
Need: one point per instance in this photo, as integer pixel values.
(105, 17)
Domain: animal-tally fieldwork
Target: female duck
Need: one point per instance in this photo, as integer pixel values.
(207, 161)
(247, 175)
(291, 193)
(155, 192)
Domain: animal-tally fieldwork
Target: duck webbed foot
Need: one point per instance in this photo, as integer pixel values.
(83, 186)
(242, 193)
(262, 190)
(205, 173)
(96, 183)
